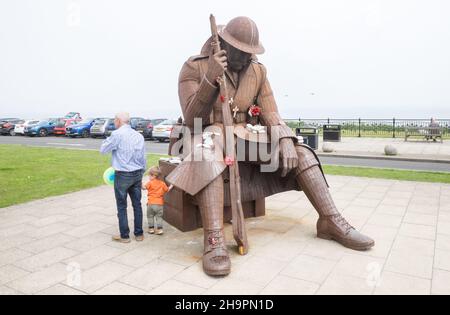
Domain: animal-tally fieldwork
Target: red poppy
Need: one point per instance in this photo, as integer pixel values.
(213, 240)
(254, 110)
(229, 160)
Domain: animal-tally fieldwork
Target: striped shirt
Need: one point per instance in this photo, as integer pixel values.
(128, 149)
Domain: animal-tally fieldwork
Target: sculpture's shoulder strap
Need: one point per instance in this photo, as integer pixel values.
(198, 57)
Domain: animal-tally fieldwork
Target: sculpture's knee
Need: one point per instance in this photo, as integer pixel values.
(306, 159)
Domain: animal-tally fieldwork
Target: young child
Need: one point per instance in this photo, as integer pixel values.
(156, 189)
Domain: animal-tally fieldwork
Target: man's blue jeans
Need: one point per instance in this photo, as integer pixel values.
(129, 183)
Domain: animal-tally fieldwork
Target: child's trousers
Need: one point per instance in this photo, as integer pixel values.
(155, 216)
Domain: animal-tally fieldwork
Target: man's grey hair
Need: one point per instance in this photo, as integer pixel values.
(123, 117)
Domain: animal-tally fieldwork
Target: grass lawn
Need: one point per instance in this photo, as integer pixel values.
(29, 173)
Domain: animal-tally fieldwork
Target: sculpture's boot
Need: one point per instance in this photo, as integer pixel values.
(216, 260)
(331, 225)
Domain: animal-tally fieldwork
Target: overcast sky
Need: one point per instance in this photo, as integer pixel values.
(325, 58)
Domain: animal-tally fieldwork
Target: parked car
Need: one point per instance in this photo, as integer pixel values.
(162, 131)
(3, 120)
(145, 127)
(110, 128)
(7, 125)
(70, 119)
(134, 121)
(100, 127)
(42, 129)
(81, 129)
(61, 125)
(75, 116)
(157, 121)
(19, 129)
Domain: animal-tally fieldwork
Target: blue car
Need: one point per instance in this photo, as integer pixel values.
(42, 129)
(81, 129)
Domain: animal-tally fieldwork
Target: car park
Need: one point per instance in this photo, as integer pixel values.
(98, 127)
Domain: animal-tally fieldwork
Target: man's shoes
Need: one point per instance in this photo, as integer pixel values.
(119, 239)
(335, 227)
(139, 238)
(151, 231)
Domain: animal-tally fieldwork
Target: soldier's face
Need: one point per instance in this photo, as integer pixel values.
(237, 59)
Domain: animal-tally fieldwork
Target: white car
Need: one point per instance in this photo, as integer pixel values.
(162, 131)
(19, 129)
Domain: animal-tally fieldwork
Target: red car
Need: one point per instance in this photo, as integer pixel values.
(70, 119)
(7, 125)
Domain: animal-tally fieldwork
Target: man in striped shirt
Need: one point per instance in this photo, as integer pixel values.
(129, 162)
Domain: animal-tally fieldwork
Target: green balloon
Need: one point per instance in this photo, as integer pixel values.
(108, 176)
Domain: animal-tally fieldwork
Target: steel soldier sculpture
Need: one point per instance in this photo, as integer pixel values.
(233, 77)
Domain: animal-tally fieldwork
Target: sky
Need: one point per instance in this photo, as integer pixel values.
(325, 58)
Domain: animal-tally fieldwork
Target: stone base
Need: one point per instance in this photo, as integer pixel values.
(181, 210)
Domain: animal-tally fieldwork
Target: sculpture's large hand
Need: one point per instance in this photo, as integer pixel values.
(217, 65)
(289, 157)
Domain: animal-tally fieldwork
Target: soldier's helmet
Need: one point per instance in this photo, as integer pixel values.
(242, 33)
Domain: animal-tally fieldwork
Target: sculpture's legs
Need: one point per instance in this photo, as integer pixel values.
(216, 261)
(331, 225)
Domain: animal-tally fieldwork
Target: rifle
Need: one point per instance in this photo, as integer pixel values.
(239, 231)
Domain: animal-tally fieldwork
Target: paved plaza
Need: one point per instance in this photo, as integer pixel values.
(62, 245)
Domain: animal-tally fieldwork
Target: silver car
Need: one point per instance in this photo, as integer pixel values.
(162, 131)
(100, 127)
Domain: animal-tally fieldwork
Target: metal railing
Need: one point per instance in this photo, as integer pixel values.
(378, 128)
